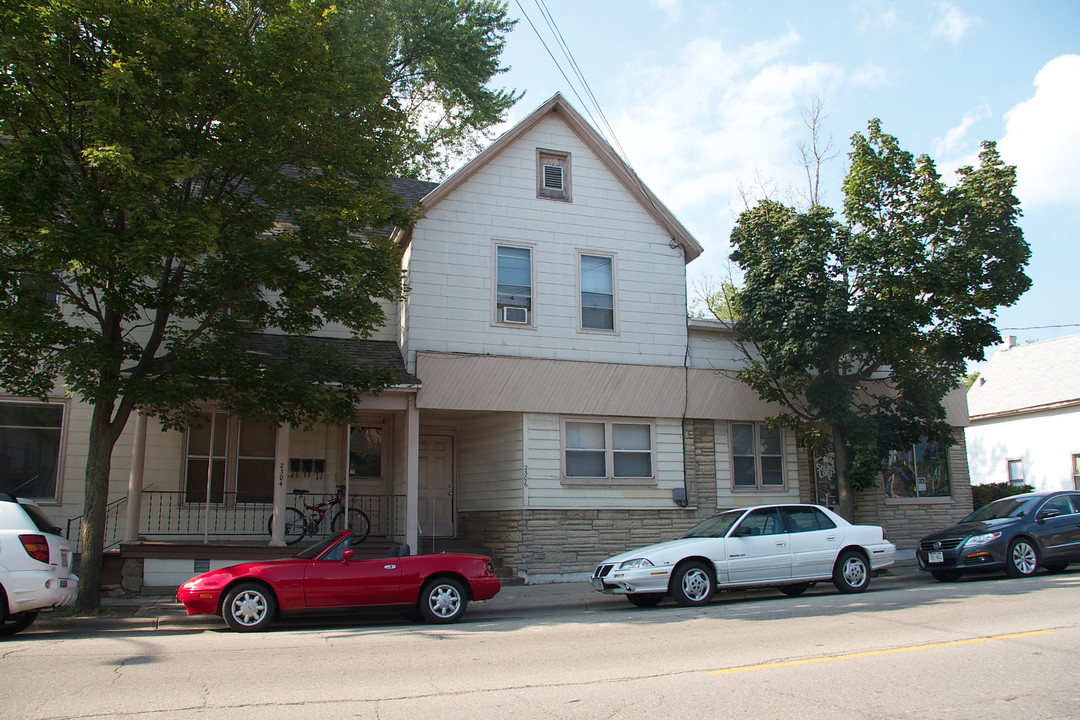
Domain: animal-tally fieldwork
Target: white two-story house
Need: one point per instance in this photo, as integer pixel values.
(555, 404)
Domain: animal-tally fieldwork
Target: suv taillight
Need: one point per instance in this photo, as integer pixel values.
(36, 546)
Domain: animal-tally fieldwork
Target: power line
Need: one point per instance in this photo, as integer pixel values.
(1043, 327)
(576, 69)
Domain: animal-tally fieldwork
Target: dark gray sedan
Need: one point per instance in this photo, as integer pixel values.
(1017, 535)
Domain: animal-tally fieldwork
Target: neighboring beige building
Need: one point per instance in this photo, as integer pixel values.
(554, 402)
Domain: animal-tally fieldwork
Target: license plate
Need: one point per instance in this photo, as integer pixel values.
(597, 584)
(935, 557)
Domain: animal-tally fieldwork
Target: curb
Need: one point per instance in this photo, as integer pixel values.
(157, 612)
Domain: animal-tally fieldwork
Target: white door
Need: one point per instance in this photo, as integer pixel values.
(436, 484)
(758, 550)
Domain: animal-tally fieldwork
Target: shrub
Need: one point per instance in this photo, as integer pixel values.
(982, 494)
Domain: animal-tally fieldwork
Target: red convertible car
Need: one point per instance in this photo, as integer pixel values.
(327, 578)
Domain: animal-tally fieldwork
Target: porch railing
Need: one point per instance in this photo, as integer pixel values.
(114, 514)
(170, 514)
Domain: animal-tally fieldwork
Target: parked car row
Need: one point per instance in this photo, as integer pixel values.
(787, 546)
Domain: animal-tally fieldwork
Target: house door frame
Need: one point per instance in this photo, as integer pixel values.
(436, 485)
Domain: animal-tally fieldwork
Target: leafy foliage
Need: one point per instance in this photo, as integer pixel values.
(988, 493)
(180, 173)
(863, 326)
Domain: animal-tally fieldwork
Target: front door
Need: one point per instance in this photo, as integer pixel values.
(436, 484)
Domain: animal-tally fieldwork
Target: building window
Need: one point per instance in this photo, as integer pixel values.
(597, 293)
(917, 472)
(607, 450)
(365, 452)
(206, 444)
(1076, 471)
(30, 441)
(553, 175)
(1016, 472)
(230, 458)
(256, 445)
(757, 457)
(513, 285)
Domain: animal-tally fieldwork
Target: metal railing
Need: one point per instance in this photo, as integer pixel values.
(114, 511)
(174, 514)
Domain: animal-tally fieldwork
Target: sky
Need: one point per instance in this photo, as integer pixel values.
(706, 99)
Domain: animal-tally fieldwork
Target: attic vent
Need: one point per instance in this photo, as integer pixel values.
(553, 177)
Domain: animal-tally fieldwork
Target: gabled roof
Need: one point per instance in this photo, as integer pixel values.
(596, 143)
(1028, 378)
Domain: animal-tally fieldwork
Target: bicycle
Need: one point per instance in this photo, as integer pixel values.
(299, 524)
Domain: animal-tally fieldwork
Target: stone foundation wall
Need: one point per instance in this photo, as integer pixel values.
(536, 543)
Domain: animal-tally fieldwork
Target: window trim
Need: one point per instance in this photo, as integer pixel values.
(759, 476)
(609, 480)
(61, 451)
(559, 158)
(919, 496)
(614, 329)
(1015, 462)
(497, 319)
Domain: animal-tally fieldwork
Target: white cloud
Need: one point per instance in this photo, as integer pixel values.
(673, 8)
(954, 138)
(953, 24)
(1042, 137)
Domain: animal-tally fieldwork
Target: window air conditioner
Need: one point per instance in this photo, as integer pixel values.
(518, 315)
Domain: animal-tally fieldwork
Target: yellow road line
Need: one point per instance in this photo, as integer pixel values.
(874, 653)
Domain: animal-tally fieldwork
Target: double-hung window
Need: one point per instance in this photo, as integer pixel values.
(513, 284)
(30, 434)
(597, 293)
(230, 457)
(757, 457)
(1016, 472)
(607, 450)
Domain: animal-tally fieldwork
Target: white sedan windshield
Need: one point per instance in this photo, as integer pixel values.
(716, 526)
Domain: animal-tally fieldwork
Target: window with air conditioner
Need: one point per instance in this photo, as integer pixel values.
(513, 284)
(553, 175)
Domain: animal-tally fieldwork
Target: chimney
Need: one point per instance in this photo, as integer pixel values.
(1009, 341)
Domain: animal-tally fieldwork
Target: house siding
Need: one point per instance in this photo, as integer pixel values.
(450, 268)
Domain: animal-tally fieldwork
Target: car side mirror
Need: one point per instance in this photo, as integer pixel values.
(347, 554)
(743, 532)
(1045, 514)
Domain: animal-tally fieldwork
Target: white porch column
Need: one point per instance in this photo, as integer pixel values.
(281, 472)
(412, 475)
(135, 480)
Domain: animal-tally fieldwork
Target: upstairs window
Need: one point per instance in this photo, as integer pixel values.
(553, 175)
(1016, 472)
(513, 285)
(597, 293)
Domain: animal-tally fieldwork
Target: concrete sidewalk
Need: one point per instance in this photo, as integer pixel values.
(151, 612)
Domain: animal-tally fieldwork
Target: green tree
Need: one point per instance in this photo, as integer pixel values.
(170, 166)
(860, 329)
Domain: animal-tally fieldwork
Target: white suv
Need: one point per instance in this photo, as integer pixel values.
(35, 565)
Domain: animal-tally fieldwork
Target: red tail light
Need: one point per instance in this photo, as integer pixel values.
(36, 546)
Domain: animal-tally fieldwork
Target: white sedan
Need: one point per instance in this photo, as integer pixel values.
(787, 546)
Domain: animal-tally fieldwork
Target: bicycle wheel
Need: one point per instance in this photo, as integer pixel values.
(295, 526)
(358, 523)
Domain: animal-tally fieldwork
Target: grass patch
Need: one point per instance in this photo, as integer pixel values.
(74, 612)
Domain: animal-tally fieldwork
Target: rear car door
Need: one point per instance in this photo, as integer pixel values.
(757, 548)
(815, 541)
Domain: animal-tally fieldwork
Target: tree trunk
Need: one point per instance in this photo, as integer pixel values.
(104, 432)
(845, 496)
